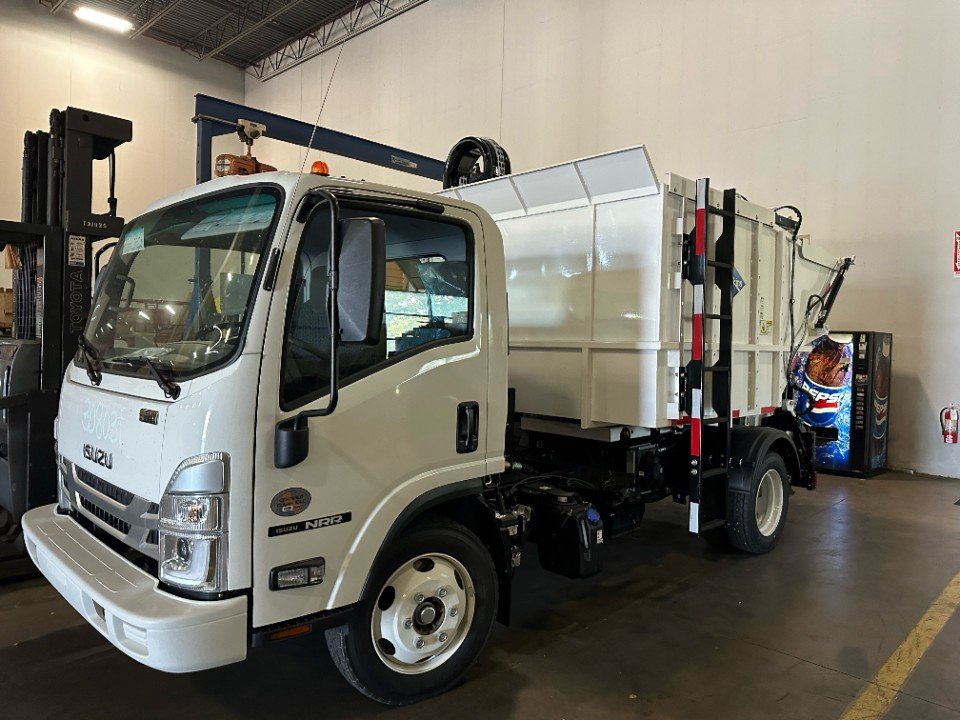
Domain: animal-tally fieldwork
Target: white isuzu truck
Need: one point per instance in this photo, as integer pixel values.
(298, 405)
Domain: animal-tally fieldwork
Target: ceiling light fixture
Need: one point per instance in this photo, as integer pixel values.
(106, 20)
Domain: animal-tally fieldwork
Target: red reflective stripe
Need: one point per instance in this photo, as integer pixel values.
(767, 409)
(697, 349)
(736, 413)
(695, 437)
(701, 234)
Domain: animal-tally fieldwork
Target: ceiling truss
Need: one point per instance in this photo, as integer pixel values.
(147, 13)
(367, 15)
(245, 33)
(236, 25)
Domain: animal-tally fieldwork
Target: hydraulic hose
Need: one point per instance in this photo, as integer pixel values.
(474, 159)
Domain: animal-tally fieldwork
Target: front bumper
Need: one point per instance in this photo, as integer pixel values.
(125, 604)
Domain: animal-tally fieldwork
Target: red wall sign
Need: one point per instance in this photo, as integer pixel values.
(956, 254)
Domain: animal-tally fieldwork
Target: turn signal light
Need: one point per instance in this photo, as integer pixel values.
(290, 632)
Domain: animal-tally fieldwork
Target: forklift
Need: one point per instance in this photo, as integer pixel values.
(51, 252)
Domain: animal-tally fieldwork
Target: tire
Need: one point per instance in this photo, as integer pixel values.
(755, 519)
(376, 650)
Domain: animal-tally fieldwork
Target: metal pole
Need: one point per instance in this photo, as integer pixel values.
(204, 150)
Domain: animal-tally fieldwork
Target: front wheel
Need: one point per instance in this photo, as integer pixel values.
(755, 518)
(428, 621)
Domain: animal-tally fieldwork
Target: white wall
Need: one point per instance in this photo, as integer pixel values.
(847, 108)
(52, 61)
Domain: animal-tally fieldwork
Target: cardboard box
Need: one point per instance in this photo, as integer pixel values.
(6, 307)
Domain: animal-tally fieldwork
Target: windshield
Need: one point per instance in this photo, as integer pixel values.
(179, 284)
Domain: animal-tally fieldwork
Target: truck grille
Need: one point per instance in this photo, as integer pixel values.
(104, 516)
(130, 518)
(124, 497)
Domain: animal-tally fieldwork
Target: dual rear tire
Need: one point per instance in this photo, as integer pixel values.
(756, 517)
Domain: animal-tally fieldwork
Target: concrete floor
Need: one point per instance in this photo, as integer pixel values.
(669, 630)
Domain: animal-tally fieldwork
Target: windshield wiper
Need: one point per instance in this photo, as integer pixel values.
(91, 359)
(169, 387)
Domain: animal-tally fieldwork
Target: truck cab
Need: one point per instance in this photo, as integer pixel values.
(216, 329)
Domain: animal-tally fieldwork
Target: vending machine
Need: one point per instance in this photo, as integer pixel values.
(841, 386)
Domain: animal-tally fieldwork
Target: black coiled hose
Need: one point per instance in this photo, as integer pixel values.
(474, 159)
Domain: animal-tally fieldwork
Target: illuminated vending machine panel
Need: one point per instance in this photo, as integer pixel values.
(842, 390)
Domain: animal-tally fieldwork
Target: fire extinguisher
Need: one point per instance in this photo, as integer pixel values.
(948, 423)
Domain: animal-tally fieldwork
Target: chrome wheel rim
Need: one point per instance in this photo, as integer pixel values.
(423, 613)
(769, 504)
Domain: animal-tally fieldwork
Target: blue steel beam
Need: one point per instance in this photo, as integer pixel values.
(219, 117)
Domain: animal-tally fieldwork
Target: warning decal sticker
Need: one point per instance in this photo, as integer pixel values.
(76, 251)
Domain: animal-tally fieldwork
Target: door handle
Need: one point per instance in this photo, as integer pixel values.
(468, 427)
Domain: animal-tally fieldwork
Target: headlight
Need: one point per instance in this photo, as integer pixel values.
(190, 562)
(193, 524)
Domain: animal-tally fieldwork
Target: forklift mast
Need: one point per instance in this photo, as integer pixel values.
(51, 252)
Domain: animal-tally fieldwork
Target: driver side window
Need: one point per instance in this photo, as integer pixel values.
(429, 281)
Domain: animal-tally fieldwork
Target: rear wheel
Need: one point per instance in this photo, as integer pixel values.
(436, 596)
(755, 519)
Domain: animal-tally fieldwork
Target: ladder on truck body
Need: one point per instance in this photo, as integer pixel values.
(710, 436)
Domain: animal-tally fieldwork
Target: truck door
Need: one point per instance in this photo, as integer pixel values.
(403, 423)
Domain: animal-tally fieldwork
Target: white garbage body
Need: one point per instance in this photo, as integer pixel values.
(600, 317)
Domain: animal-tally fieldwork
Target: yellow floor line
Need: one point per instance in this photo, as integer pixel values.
(877, 697)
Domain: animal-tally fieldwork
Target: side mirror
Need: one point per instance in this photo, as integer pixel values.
(362, 278)
(291, 442)
(96, 258)
(125, 303)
